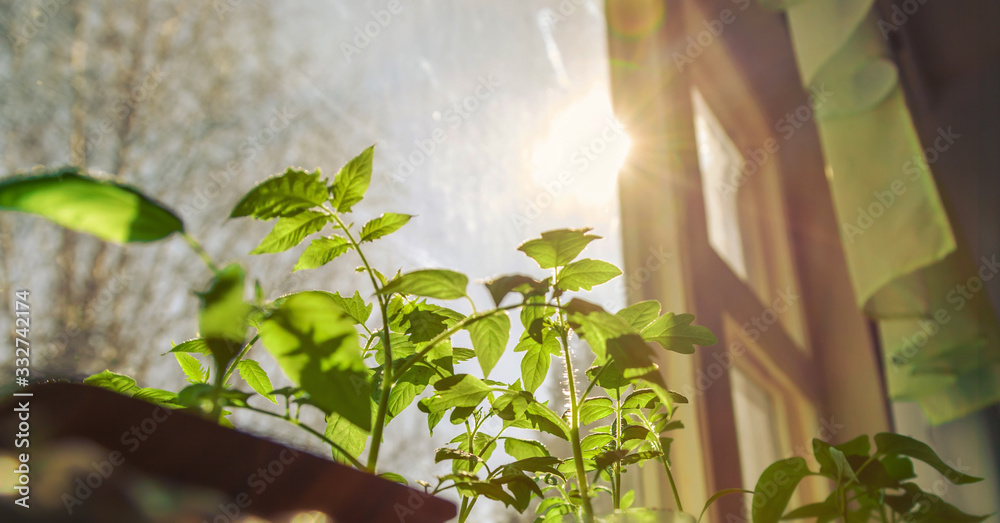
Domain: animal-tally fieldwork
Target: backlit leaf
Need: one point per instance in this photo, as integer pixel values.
(489, 339)
(431, 283)
(108, 210)
(386, 224)
(254, 375)
(351, 182)
(286, 194)
(317, 347)
(674, 332)
(289, 231)
(322, 251)
(557, 248)
(585, 274)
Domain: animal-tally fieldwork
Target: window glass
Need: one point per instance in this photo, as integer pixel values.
(720, 161)
(756, 427)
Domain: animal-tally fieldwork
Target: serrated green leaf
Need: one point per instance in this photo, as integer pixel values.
(585, 274)
(197, 345)
(423, 321)
(674, 332)
(384, 225)
(114, 382)
(460, 390)
(349, 436)
(192, 367)
(896, 444)
(317, 347)
(523, 449)
(552, 423)
(354, 306)
(593, 441)
(392, 476)
(610, 457)
(500, 287)
(289, 231)
(430, 283)
(775, 488)
(557, 248)
(535, 366)
(158, 396)
(489, 339)
(522, 487)
(461, 354)
(110, 211)
(445, 454)
(639, 457)
(640, 314)
(322, 251)
(351, 182)
(254, 375)
(631, 432)
(484, 488)
(286, 194)
(593, 409)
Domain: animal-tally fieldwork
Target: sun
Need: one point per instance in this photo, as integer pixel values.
(582, 151)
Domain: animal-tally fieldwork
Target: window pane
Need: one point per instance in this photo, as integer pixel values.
(756, 427)
(720, 161)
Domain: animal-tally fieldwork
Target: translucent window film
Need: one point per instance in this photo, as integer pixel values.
(757, 425)
(720, 161)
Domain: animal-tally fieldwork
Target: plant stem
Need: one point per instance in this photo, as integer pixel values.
(236, 360)
(383, 403)
(574, 409)
(666, 465)
(617, 485)
(670, 479)
(200, 251)
(357, 464)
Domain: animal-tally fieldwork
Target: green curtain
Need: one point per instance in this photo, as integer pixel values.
(940, 344)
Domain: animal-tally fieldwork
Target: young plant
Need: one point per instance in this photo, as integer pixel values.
(361, 369)
(867, 486)
(361, 372)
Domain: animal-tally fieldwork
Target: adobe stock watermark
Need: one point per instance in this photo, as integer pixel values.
(786, 126)
(581, 159)
(210, 187)
(883, 200)
(899, 16)
(563, 11)
(120, 109)
(713, 30)
(631, 283)
(959, 296)
(27, 26)
(414, 502)
(132, 439)
(454, 116)
(263, 477)
(365, 33)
